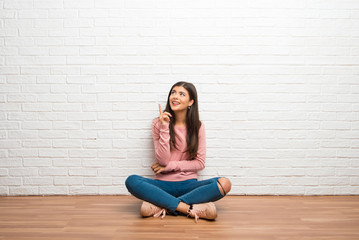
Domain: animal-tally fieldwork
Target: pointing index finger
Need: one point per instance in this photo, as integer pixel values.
(159, 106)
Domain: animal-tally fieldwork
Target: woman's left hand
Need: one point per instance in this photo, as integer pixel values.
(157, 168)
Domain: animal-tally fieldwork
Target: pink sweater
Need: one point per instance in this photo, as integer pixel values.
(178, 165)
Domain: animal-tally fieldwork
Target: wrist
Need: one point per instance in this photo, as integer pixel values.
(170, 166)
(165, 124)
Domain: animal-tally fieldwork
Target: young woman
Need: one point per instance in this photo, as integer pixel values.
(180, 151)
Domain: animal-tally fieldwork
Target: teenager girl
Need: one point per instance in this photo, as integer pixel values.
(180, 151)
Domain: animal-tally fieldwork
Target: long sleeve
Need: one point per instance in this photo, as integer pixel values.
(161, 139)
(196, 164)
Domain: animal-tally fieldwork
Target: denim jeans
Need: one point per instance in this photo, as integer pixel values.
(168, 194)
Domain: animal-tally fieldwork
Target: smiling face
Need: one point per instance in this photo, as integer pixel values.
(179, 99)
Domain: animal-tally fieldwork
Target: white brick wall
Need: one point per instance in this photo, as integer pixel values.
(278, 86)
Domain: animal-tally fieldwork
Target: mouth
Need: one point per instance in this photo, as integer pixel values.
(175, 103)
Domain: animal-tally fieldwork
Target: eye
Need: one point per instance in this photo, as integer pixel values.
(182, 94)
(173, 92)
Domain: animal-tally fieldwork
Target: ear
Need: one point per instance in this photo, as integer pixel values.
(190, 103)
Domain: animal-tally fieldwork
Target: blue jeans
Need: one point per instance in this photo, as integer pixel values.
(168, 194)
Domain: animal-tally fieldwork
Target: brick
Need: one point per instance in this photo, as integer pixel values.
(9, 144)
(38, 181)
(53, 190)
(112, 190)
(9, 89)
(21, 98)
(98, 181)
(60, 162)
(18, 191)
(79, 134)
(67, 144)
(10, 162)
(112, 153)
(48, 4)
(43, 116)
(35, 14)
(96, 163)
(18, 4)
(9, 107)
(36, 107)
(82, 172)
(10, 181)
(82, 116)
(66, 107)
(88, 153)
(23, 153)
(81, 79)
(33, 125)
(37, 162)
(68, 181)
(349, 190)
(66, 125)
(53, 153)
(20, 172)
(88, 4)
(26, 60)
(52, 134)
(83, 190)
(319, 191)
(51, 171)
(4, 191)
(52, 98)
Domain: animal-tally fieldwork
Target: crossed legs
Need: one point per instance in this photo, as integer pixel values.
(164, 194)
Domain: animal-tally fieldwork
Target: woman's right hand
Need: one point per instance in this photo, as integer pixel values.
(157, 168)
(164, 116)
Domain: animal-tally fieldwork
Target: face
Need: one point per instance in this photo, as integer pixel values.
(179, 99)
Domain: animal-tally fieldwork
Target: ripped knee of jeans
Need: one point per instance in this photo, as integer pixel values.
(225, 185)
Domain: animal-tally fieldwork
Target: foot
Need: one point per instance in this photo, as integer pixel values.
(203, 210)
(148, 210)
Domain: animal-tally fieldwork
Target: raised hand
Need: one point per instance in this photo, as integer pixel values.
(164, 116)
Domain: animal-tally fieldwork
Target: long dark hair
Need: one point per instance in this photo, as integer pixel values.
(192, 120)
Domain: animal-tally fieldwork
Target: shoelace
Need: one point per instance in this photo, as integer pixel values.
(194, 213)
(161, 212)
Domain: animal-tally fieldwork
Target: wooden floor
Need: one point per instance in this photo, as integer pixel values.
(239, 217)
